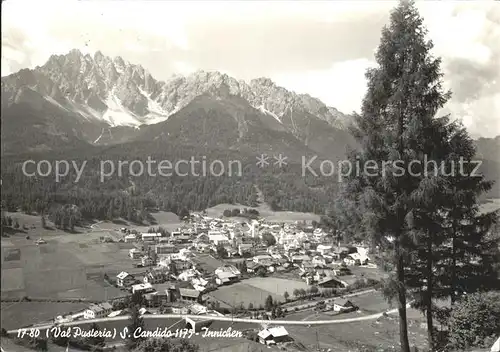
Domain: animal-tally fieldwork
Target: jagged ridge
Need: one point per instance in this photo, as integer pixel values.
(120, 94)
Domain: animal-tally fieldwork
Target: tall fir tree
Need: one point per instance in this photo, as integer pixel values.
(395, 129)
(424, 221)
(453, 252)
(472, 249)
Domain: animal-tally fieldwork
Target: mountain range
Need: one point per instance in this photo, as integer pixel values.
(83, 101)
(77, 99)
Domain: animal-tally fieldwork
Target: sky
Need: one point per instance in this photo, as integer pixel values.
(322, 48)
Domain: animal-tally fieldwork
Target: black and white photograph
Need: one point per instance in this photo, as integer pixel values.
(250, 176)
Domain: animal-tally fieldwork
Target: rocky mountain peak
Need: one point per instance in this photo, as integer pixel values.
(113, 90)
(262, 81)
(98, 55)
(119, 61)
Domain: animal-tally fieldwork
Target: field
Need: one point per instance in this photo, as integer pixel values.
(370, 303)
(167, 220)
(74, 263)
(275, 285)
(69, 279)
(255, 291)
(15, 315)
(208, 262)
(368, 273)
(381, 333)
(69, 265)
(265, 212)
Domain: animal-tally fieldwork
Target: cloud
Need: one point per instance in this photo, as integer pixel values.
(343, 85)
(466, 36)
(135, 46)
(16, 52)
(183, 68)
(218, 34)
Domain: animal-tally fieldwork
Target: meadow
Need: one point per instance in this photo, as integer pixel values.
(265, 212)
(255, 291)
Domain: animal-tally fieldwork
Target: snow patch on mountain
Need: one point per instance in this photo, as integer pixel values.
(85, 111)
(116, 114)
(152, 119)
(267, 112)
(156, 112)
(94, 113)
(52, 101)
(113, 91)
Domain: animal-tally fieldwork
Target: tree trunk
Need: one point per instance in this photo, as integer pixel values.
(400, 269)
(453, 270)
(403, 324)
(428, 297)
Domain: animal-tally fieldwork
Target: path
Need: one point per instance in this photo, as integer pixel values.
(224, 318)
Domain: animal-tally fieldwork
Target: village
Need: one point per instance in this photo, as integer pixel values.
(207, 265)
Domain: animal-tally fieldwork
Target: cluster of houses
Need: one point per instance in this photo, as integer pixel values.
(339, 305)
(180, 274)
(181, 266)
(266, 247)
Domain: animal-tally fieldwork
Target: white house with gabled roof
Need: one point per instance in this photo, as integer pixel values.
(124, 279)
(95, 311)
(273, 336)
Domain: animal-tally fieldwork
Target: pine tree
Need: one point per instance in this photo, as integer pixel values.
(3, 215)
(165, 344)
(453, 251)
(38, 343)
(269, 303)
(57, 220)
(71, 223)
(473, 249)
(279, 311)
(244, 267)
(273, 313)
(172, 268)
(44, 221)
(475, 321)
(184, 213)
(135, 327)
(424, 221)
(97, 341)
(110, 214)
(395, 129)
(314, 290)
